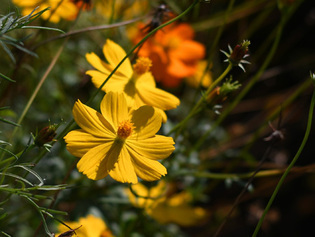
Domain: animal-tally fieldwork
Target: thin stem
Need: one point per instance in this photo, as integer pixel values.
(91, 28)
(245, 188)
(71, 122)
(196, 108)
(216, 40)
(251, 83)
(140, 43)
(296, 157)
(38, 87)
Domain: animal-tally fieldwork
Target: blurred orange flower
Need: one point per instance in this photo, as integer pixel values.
(173, 51)
(83, 4)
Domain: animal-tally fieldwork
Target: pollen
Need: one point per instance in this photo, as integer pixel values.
(125, 129)
(142, 65)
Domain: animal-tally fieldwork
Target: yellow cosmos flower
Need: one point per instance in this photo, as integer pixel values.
(165, 207)
(65, 9)
(138, 85)
(89, 226)
(119, 141)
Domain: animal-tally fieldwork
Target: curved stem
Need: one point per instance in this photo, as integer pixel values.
(71, 122)
(196, 108)
(296, 157)
(140, 43)
(38, 87)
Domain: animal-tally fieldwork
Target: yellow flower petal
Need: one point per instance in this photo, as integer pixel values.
(92, 121)
(115, 83)
(103, 67)
(100, 160)
(157, 97)
(114, 108)
(184, 214)
(155, 148)
(89, 226)
(147, 122)
(114, 54)
(146, 169)
(162, 113)
(80, 142)
(154, 194)
(89, 164)
(124, 170)
(96, 62)
(146, 79)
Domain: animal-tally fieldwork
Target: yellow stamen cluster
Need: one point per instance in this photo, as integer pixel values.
(125, 129)
(142, 65)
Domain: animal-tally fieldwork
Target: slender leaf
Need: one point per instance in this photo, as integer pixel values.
(8, 51)
(8, 121)
(5, 234)
(6, 78)
(51, 188)
(9, 152)
(41, 214)
(10, 21)
(42, 28)
(23, 49)
(3, 216)
(17, 177)
(32, 172)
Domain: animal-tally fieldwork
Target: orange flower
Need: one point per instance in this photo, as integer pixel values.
(83, 4)
(174, 53)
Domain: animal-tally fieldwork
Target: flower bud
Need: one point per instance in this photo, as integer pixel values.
(45, 135)
(239, 52)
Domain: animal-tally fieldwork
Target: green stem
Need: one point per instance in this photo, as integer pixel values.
(140, 43)
(224, 176)
(196, 108)
(71, 122)
(220, 31)
(215, 41)
(251, 83)
(38, 87)
(297, 155)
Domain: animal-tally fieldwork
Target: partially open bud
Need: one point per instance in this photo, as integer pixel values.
(237, 55)
(45, 135)
(239, 52)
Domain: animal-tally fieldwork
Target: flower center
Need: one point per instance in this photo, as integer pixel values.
(142, 65)
(125, 129)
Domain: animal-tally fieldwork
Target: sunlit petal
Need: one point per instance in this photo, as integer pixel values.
(80, 142)
(114, 108)
(146, 79)
(155, 148)
(90, 163)
(100, 160)
(157, 97)
(124, 170)
(96, 62)
(147, 122)
(147, 169)
(92, 121)
(115, 83)
(114, 54)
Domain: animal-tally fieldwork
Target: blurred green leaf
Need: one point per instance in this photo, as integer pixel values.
(6, 78)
